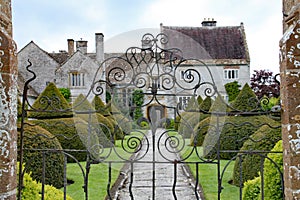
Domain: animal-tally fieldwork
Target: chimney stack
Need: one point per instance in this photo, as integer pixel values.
(99, 38)
(209, 22)
(70, 47)
(81, 45)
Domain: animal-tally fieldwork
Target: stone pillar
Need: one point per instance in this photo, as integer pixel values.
(8, 105)
(290, 97)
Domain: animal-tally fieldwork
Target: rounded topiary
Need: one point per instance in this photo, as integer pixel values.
(50, 104)
(263, 139)
(272, 177)
(188, 122)
(200, 131)
(234, 131)
(251, 189)
(65, 131)
(35, 139)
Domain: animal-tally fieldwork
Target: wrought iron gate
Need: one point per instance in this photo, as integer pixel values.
(174, 132)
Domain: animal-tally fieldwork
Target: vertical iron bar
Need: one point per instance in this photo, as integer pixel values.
(175, 180)
(86, 178)
(131, 180)
(241, 176)
(197, 181)
(218, 160)
(43, 176)
(65, 177)
(109, 181)
(153, 164)
(262, 191)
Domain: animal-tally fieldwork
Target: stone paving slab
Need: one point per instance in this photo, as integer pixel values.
(164, 176)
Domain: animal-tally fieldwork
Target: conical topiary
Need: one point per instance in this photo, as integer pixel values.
(99, 106)
(50, 104)
(192, 104)
(218, 105)
(206, 104)
(82, 104)
(200, 100)
(246, 100)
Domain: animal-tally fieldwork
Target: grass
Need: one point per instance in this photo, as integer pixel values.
(98, 176)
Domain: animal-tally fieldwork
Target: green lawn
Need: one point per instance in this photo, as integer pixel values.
(98, 177)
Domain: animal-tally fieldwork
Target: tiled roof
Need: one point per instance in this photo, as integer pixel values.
(213, 42)
(60, 57)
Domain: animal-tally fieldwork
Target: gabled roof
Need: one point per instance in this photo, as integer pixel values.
(60, 57)
(227, 42)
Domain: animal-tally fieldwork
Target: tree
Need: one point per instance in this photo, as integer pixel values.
(263, 83)
(138, 100)
(232, 90)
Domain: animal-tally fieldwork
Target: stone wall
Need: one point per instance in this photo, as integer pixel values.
(8, 105)
(290, 90)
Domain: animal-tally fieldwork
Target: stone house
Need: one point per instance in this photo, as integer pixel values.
(224, 51)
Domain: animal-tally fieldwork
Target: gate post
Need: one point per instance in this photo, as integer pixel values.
(8, 105)
(290, 93)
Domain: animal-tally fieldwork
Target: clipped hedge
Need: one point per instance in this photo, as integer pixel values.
(200, 131)
(246, 100)
(35, 137)
(251, 189)
(66, 132)
(206, 104)
(235, 130)
(32, 190)
(50, 104)
(273, 189)
(273, 185)
(264, 139)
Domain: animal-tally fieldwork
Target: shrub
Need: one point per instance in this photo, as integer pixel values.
(188, 121)
(81, 104)
(199, 100)
(35, 137)
(200, 131)
(246, 100)
(65, 131)
(144, 125)
(32, 190)
(232, 90)
(263, 139)
(99, 106)
(177, 122)
(251, 189)
(235, 130)
(50, 104)
(66, 93)
(273, 185)
(206, 104)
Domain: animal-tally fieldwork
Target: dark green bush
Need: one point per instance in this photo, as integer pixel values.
(100, 107)
(50, 104)
(263, 139)
(188, 122)
(273, 189)
(65, 131)
(246, 100)
(251, 189)
(206, 104)
(66, 93)
(200, 131)
(235, 130)
(35, 137)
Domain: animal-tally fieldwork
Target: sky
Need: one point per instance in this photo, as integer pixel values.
(50, 23)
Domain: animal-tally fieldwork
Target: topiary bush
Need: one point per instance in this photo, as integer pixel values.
(35, 137)
(206, 104)
(100, 107)
(50, 104)
(272, 177)
(251, 189)
(263, 139)
(246, 100)
(32, 190)
(200, 131)
(273, 189)
(66, 132)
(234, 131)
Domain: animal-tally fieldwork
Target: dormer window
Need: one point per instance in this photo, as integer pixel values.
(76, 79)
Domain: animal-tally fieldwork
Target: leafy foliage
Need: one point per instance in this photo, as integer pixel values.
(65, 131)
(264, 139)
(50, 104)
(232, 89)
(246, 99)
(206, 104)
(251, 189)
(66, 93)
(138, 100)
(263, 83)
(32, 190)
(35, 137)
